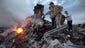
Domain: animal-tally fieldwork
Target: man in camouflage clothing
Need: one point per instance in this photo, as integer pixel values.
(55, 14)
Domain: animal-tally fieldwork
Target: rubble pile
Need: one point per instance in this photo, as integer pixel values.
(45, 38)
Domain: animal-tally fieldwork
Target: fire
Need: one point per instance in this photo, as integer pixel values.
(19, 30)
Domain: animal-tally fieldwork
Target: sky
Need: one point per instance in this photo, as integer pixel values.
(12, 11)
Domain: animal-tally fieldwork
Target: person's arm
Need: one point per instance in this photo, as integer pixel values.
(66, 16)
(47, 13)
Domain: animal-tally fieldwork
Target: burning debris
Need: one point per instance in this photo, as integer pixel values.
(56, 38)
(19, 30)
(38, 33)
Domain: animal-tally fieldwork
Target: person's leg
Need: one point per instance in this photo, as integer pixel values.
(57, 21)
(68, 25)
(53, 23)
(59, 18)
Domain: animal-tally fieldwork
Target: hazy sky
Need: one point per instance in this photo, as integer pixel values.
(11, 10)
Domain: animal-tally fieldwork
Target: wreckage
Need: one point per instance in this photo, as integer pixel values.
(55, 38)
(41, 35)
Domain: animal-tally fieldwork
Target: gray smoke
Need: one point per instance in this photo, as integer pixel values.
(12, 11)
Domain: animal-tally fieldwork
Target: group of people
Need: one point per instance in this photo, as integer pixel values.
(55, 12)
(56, 16)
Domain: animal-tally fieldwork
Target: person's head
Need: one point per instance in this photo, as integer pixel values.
(66, 12)
(51, 4)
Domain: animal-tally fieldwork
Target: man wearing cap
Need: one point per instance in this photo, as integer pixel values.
(69, 21)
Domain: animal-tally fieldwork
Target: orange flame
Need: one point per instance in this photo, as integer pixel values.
(19, 30)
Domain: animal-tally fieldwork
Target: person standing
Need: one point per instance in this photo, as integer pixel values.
(57, 13)
(52, 16)
(69, 21)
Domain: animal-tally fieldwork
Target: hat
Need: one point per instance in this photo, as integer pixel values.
(66, 12)
(51, 3)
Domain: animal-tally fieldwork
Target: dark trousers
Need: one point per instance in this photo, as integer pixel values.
(69, 25)
(53, 23)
